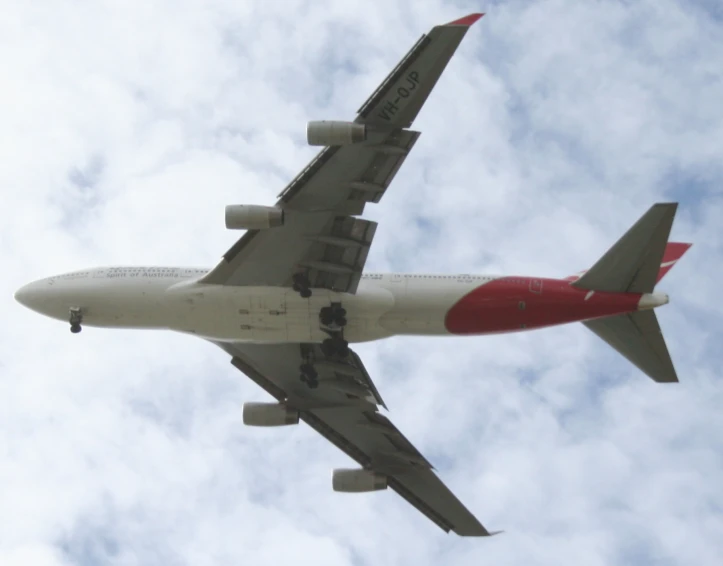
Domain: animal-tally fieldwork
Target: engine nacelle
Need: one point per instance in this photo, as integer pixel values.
(357, 481)
(269, 414)
(253, 217)
(328, 132)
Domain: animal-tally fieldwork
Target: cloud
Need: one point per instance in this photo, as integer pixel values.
(126, 129)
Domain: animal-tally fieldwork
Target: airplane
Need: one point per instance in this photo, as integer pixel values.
(287, 299)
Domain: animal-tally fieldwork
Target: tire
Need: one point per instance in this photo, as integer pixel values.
(341, 348)
(305, 293)
(326, 319)
(327, 347)
(75, 328)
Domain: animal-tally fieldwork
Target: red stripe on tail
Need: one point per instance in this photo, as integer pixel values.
(673, 252)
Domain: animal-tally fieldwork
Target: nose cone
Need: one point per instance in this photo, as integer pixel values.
(32, 295)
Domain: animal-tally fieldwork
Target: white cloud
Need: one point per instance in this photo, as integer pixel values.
(127, 128)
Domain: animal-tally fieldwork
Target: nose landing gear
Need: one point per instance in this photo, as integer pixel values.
(76, 317)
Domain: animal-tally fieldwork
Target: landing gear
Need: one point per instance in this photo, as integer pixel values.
(309, 375)
(335, 346)
(301, 285)
(76, 317)
(333, 315)
(333, 320)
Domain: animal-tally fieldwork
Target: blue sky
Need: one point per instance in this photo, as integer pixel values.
(128, 128)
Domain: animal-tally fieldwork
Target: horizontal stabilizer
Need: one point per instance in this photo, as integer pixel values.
(637, 336)
(632, 265)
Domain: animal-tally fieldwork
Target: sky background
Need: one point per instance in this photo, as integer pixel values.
(126, 127)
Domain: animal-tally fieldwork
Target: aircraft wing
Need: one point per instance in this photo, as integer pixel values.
(321, 237)
(343, 408)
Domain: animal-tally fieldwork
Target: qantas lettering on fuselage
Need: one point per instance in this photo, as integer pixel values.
(384, 304)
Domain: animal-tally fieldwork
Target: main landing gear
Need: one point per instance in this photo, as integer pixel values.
(309, 375)
(301, 285)
(76, 317)
(335, 346)
(335, 315)
(332, 320)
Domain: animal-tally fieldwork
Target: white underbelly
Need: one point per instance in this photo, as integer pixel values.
(273, 314)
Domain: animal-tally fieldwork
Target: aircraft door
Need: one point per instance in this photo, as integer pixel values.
(536, 286)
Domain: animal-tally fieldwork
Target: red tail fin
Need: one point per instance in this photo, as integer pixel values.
(673, 252)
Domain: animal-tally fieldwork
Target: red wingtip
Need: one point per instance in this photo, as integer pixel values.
(466, 21)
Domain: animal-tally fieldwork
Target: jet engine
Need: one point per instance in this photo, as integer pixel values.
(253, 217)
(357, 481)
(269, 414)
(327, 132)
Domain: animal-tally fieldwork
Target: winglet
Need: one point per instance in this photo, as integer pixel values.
(493, 533)
(466, 21)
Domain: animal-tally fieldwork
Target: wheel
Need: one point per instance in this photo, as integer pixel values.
(313, 384)
(305, 293)
(309, 371)
(339, 342)
(326, 318)
(327, 347)
(340, 347)
(303, 378)
(341, 312)
(75, 328)
(341, 321)
(300, 279)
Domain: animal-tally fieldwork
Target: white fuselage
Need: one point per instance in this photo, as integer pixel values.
(172, 298)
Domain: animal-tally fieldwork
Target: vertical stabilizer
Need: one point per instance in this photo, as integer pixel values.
(633, 264)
